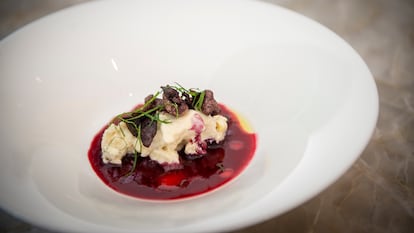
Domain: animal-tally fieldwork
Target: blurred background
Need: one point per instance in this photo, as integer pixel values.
(377, 192)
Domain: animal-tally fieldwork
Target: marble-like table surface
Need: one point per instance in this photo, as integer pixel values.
(377, 193)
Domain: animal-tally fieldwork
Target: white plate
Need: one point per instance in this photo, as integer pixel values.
(308, 95)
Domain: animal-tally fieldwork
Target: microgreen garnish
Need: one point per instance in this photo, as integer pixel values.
(199, 100)
(141, 114)
(134, 164)
(180, 88)
(149, 101)
(196, 94)
(174, 99)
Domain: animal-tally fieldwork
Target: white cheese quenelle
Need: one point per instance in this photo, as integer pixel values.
(190, 132)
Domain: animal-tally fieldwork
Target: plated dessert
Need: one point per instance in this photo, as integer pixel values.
(179, 143)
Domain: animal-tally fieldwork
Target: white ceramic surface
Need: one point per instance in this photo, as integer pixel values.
(307, 94)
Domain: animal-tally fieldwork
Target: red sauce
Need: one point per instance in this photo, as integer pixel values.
(193, 176)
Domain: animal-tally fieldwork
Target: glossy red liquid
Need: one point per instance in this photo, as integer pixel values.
(193, 176)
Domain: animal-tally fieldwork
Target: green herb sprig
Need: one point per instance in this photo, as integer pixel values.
(134, 164)
(153, 113)
(196, 94)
